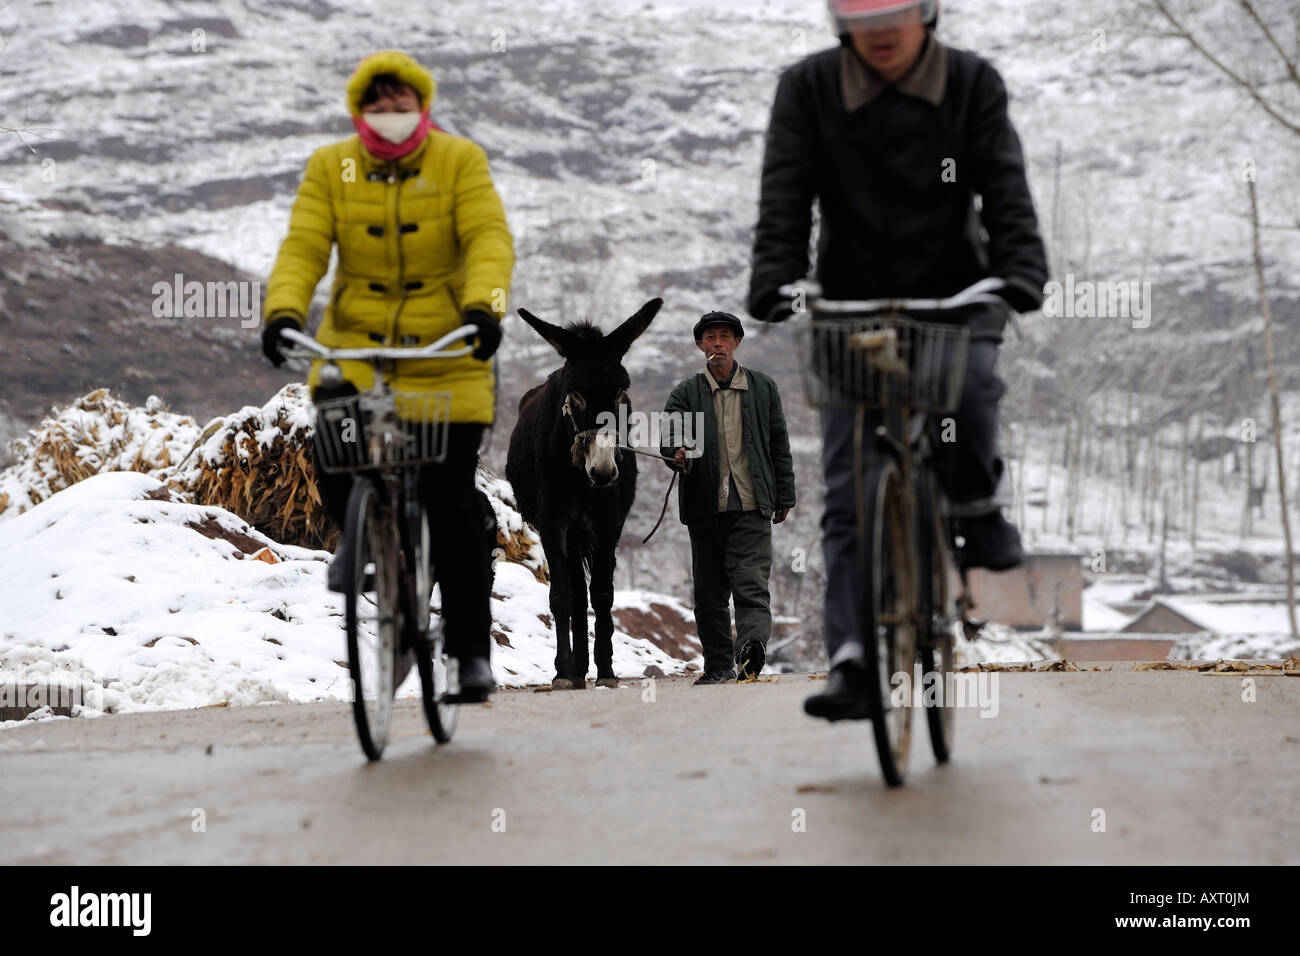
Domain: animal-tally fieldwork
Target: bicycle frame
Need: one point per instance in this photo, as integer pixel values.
(900, 373)
(392, 467)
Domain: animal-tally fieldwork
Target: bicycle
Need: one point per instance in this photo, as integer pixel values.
(382, 437)
(875, 359)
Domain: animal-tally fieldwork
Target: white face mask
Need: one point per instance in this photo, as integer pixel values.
(394, 127)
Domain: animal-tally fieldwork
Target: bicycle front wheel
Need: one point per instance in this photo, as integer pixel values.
(938, 613)
(431, 657)
(371, 610)
(888, 620)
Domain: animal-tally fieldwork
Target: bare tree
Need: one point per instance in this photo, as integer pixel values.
(1267, 312)
(28, 128)
(1262, 67)
(1196, 482)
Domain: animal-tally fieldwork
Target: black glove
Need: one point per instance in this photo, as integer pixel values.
(773, 307)
(1021, 294)
(488, 333)
(271, 341)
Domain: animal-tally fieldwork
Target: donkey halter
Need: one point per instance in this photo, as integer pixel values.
(583, 436)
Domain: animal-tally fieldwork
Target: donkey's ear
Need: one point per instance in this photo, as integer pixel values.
(623, 336)
(553, 334)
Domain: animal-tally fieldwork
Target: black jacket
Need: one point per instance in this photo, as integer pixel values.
(896, 182)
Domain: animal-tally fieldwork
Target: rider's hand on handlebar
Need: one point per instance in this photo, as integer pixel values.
(271, 341)
(780, 312)
(1020, 295)
(489, 333)
(774, 307)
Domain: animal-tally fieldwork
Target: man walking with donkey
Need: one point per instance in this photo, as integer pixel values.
(741, 482)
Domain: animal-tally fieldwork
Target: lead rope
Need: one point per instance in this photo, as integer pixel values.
(662, 511)
(667, 494)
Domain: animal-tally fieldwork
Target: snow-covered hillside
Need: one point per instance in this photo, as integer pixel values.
(625, 137)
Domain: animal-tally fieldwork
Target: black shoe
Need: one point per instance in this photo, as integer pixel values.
(992, 542)
(717, 676)
(845, 696)
(750, 659)
(476, 681)
(337, 579)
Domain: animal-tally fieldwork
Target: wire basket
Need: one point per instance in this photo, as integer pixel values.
(393, 430)
(883, 361)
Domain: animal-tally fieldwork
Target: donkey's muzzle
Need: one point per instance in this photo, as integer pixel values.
(601, 479)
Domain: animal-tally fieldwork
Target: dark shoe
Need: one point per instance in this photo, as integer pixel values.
(750, 659)
(337, 579)
(476, 681)
(992, 542)
(718, 676)
(845, 696)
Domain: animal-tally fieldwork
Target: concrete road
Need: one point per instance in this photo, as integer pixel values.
(1092, 767)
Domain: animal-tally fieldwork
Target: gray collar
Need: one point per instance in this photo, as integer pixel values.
(926, 80)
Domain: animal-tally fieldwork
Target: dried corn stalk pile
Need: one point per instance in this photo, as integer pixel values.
(95, 433)
(257, 463)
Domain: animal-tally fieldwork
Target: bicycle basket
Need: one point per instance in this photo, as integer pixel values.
(397, 429)
(883, 361)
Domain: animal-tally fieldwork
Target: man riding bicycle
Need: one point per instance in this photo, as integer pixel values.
(895, 135)
(423, 249)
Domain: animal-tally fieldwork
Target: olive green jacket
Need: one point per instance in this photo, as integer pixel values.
(767, 443)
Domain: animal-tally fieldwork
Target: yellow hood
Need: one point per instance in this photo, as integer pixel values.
(396, 63)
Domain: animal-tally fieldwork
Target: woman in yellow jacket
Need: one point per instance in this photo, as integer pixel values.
(423, 248)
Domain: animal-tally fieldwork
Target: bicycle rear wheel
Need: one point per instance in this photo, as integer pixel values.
(889, 630)
(937, 613)
(371, 611)
(431, 658)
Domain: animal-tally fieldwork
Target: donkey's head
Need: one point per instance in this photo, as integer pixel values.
(594, 384)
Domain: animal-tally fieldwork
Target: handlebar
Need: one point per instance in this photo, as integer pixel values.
(809, 292)
(309, 348)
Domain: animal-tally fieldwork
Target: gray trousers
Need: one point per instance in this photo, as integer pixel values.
(969, 469)
(731, 558)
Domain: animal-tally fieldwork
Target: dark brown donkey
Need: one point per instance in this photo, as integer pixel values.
(574, 485)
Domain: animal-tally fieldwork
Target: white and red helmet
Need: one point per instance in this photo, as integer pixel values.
(881, 14)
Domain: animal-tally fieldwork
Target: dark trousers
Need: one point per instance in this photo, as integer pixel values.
(731, 559)
(458, 529)
(969, 468)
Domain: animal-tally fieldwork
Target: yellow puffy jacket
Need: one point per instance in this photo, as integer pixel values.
(422, 240)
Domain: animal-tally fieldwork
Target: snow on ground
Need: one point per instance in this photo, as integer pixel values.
(118, 593)
(1235, 647)
(998, 644)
